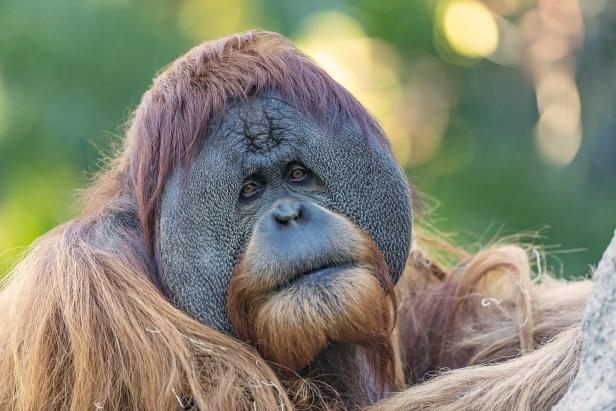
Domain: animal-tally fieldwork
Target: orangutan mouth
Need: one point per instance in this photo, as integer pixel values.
(320, 276)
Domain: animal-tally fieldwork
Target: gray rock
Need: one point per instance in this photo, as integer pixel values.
(594, 387)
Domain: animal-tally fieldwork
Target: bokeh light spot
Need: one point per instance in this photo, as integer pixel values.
(367, 67)
(558, 134)
(469, 28)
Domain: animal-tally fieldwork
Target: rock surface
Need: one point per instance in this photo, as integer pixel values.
(594, 387)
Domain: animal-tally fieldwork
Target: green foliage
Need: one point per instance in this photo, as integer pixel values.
(70, 72)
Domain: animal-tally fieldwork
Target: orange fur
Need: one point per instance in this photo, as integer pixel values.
(290, 325)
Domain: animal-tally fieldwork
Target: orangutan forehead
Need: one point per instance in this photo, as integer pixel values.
(261, 125)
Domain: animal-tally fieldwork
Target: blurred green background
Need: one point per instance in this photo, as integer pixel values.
(501, 111)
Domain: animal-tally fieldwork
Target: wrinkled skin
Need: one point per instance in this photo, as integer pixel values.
(206, 223)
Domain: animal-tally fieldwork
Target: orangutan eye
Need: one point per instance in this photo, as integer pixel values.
(249, 189)
(297, 173)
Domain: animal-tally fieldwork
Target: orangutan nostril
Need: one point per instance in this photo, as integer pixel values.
(286, 211)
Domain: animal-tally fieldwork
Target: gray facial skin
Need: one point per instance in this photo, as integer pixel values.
(206, 223)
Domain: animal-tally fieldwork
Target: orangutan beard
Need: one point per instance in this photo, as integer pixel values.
(347, 309)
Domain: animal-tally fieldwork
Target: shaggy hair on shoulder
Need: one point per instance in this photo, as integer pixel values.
(483, 310)
(534, 381)
(513, 343)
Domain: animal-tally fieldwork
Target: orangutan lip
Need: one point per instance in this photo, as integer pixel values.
(317, 276)
(320, 274)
